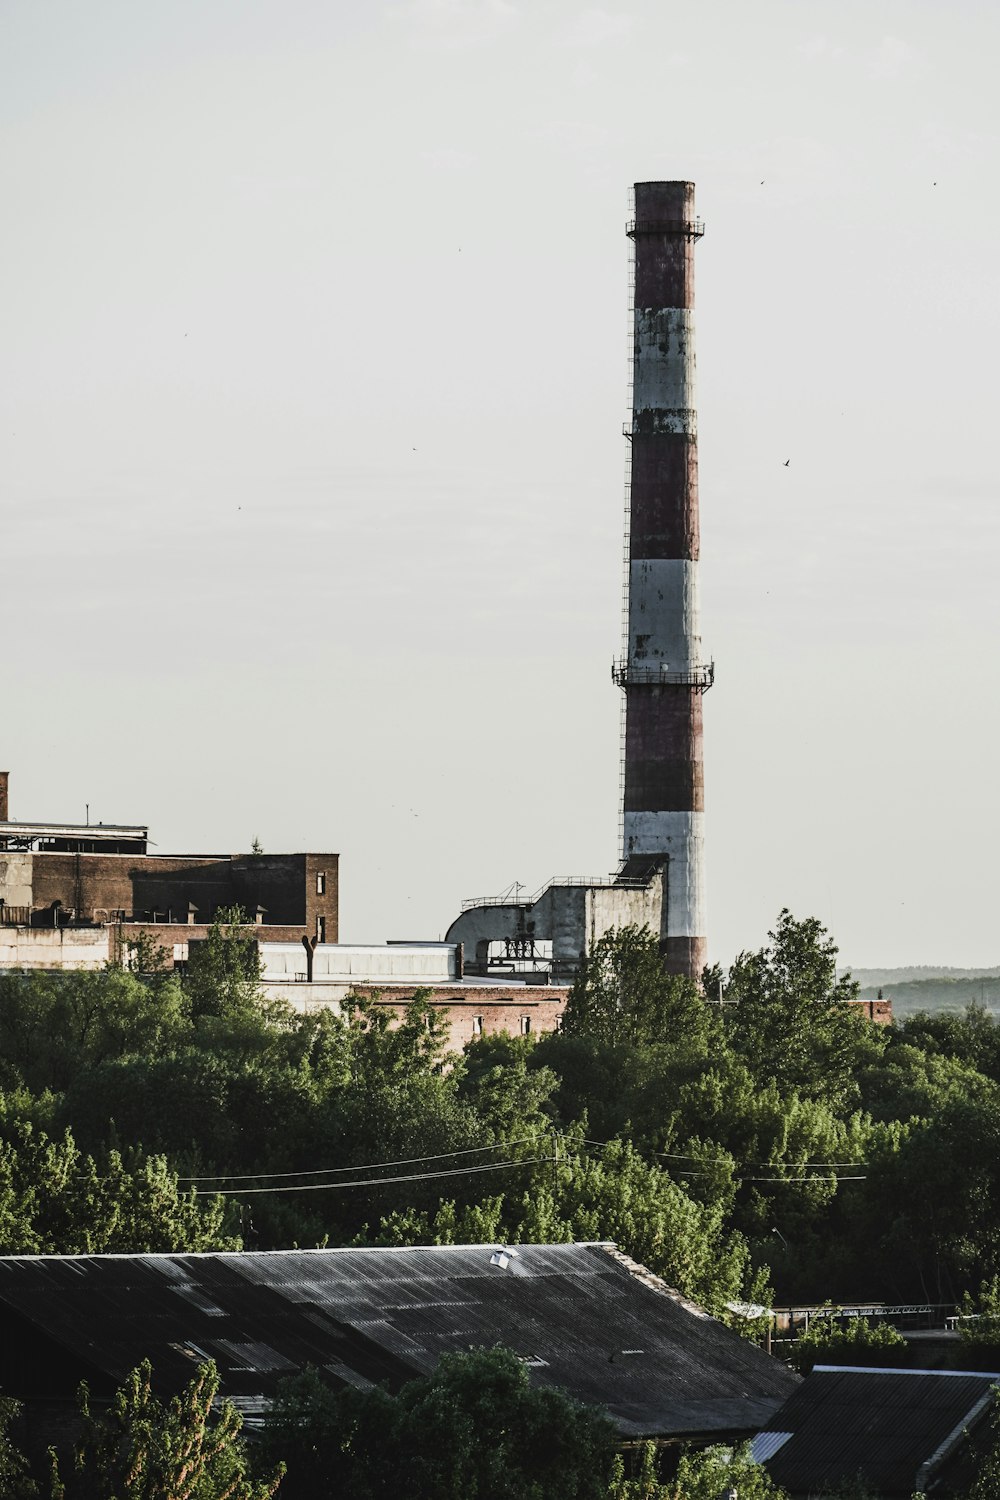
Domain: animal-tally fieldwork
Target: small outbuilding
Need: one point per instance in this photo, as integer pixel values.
(898, 1432)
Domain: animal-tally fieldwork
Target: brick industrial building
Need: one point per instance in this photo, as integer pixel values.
(56, 875)
(76, 896)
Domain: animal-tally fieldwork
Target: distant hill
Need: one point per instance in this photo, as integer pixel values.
(926, 988)
(917, 974)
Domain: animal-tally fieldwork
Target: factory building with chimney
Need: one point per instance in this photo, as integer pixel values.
(663, 674)
(82, 896)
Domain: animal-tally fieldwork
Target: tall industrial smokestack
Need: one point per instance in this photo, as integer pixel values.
(662, 672)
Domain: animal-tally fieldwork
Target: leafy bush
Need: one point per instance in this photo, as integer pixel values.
(856, 1342)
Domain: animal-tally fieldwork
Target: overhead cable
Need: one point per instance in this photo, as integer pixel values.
(688, 1156)
(320, 1187)
(368, 1166)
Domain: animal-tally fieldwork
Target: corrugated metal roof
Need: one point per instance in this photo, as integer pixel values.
(581, 1316)
(880, 1424)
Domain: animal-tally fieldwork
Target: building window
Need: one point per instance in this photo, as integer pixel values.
(525, 1025)
(321, 883)
(477, 1026)
(321, 929)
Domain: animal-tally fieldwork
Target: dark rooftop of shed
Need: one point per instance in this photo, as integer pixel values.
(883, 1425)
(582, 1317)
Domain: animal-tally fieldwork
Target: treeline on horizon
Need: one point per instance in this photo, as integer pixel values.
(775, 1148)
(941, 993)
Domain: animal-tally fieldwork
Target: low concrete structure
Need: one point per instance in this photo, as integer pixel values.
(62, 948)
(391, 976)
(388, 975)
(551, 931)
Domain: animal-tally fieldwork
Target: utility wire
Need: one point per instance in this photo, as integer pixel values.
(822, 1173)
(369, 1166)
(816, 1176)
(320, 1187)
(687, 1156)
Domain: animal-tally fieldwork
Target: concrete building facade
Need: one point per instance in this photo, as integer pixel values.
(548, 934)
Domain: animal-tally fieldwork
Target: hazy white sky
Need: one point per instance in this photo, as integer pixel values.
(314, 319)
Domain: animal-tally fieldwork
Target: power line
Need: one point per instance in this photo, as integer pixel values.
(370, 1166)
(320, 1187)
(815, 1177)
(688, 1156)
(821, 1174)
(681, 1156)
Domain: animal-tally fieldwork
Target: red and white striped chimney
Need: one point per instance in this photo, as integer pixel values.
(662, 672)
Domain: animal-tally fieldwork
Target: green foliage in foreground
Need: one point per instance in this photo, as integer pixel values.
(856, 1342)
(777, 1139)
(476, 1429)
(15, 1475)
(705, 1475)
(142, 1448)
(145, 1449)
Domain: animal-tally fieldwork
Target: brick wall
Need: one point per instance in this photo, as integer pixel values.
(171, 935)
(96, 885)
(879, 1011)
(496, 1010)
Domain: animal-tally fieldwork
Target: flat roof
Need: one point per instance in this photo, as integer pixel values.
(72, 830)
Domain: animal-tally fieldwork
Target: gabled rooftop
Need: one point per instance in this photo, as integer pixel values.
(896, 1429)
(583, 1317)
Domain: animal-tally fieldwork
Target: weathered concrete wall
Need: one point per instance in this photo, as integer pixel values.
(491, 924)
(348, 963)
(612, 906)
(560, 915)
(66, 948)
(174, 938)
(570, 916)
(15, 878)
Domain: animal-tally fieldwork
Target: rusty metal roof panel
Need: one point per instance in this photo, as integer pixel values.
(582, 1317)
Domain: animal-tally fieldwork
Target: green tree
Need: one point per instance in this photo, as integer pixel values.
(986, 1447)
(147, 1449)
(789, 1016)
(54, 1199)
(622, 993)
(52, 1026)
(15, 1475)
(714, 1472)
(511, 1097)
(223, 979)
(855, 1342)
(476, 1429)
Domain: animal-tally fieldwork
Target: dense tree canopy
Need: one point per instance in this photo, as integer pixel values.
(751, 1139)
(757, 1136)
(476, 1429)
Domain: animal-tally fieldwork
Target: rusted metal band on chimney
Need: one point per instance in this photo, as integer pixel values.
(662, 672)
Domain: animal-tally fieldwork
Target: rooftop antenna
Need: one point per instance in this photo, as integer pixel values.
(87, 806)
